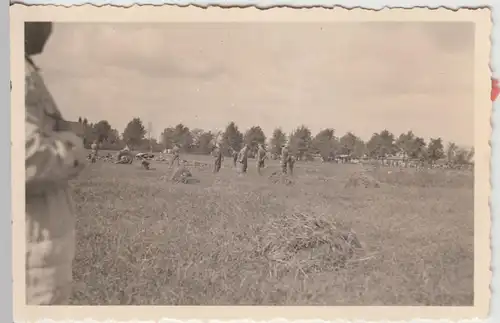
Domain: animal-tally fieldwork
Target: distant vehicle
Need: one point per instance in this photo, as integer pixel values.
(144, 156)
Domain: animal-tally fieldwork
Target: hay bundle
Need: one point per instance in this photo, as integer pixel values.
(183, 175)
(280, 178)
(310, 242)
(362, 179)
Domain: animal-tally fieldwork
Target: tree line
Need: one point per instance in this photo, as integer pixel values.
(303, 144)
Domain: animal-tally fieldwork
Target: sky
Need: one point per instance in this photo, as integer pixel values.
(359, 77)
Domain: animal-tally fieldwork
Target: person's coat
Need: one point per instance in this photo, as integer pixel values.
(52, 158)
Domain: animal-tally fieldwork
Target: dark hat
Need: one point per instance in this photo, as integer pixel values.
(36, 34)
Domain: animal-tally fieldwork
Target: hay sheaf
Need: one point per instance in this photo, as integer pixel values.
(361, 179)
(280, 178)
(310, 242)
(183, 175)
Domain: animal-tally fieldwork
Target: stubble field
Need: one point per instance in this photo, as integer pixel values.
(251, 240)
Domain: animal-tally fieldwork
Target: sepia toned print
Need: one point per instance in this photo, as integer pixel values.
(265, 158)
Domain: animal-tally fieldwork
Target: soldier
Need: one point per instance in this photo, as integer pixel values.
(94, 151)
(291, 163)
(218, 158)
(243, 158)
(53, 156)
(284, 158)
(261, 157)
(176, 155)
(234, 154)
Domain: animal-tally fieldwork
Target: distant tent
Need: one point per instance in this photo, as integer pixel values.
(126, 148)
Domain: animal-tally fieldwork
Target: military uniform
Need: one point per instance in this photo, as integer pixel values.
(94, 152)
(235, 157)
(284, 159)
(217, 159)
(291, 163)
(243, 159)
(261, 157)
(176, 156)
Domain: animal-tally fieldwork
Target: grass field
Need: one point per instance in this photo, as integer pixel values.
(229, 239)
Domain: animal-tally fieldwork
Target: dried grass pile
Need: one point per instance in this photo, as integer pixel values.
(183, 175)
(361, 179)
(280, 178)
(310, 242)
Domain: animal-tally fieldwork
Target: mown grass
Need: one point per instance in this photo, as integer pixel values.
(231, 239)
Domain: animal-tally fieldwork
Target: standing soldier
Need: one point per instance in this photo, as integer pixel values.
(217, 153)
(261, 157)
(291, 163)
(234, 154)
(94, 151)
(284, 158)
(243, 158)
(176, 155)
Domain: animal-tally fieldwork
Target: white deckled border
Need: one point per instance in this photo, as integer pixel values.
(175, 14)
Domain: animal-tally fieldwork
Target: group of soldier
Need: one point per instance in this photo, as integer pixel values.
(239, 158)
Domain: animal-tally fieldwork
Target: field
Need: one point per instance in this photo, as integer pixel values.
(229, 239)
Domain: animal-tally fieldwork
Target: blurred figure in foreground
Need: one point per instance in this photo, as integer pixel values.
(53, 156)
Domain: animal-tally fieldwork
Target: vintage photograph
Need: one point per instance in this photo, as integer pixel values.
(251, 163)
